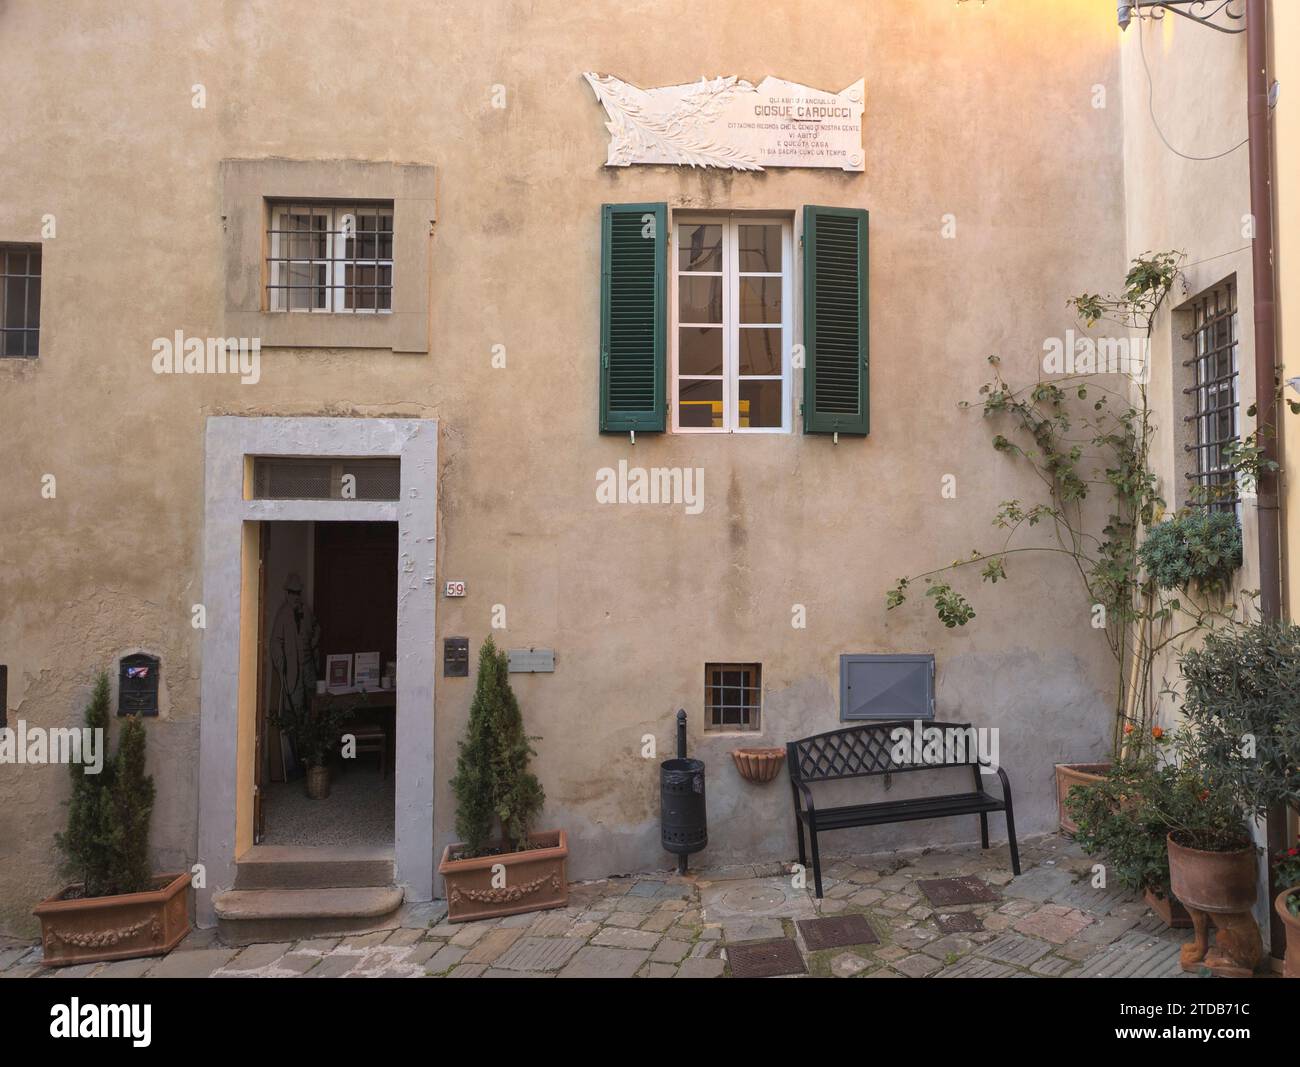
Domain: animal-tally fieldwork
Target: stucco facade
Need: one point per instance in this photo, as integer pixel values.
(986, 114)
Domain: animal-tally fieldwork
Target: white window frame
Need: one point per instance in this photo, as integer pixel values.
(730, 324)
(336, 263)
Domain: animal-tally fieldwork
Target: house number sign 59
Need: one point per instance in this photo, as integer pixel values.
(455, 589)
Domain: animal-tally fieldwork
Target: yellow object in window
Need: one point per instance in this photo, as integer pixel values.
(715, 407)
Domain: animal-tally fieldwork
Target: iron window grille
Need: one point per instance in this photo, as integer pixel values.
(328, 256)
(300, 478)
(1214, 398)
(20, 300)
(732, 695)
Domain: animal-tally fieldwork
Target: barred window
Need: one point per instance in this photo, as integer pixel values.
(20, 300)
(1214, 397)
(330, 256)
(732, 695)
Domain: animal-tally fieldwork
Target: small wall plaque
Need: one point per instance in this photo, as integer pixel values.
(455, 657)
(456, 588)
(137, 685)
(532, 660)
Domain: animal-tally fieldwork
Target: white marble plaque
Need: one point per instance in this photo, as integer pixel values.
(726, 122)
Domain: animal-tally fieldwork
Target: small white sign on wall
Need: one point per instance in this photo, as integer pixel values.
(456, 588)
(729, 123)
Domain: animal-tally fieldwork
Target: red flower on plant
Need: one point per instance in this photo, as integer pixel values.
(1128, 727)
(1157, 732)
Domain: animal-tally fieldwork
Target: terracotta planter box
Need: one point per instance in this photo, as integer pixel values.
(535, 880)
(1291, 961)
(1068, 775)
(1169, 908)
(758, 764)
(94, 929)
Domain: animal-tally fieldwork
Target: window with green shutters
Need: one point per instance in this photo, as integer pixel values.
(835, 320)
(633, 306)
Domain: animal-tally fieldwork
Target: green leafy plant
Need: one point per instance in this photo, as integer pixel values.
(106, 842)
(1241, 705)
(1121, 819)
(1286, 873)
(1200, 810)
(314, 732)
(1090, 448)
(493, 785)
(1195, 548)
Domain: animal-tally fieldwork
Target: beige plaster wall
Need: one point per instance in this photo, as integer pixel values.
(983, 112)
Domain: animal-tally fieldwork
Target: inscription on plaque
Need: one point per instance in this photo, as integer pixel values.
(729, 123)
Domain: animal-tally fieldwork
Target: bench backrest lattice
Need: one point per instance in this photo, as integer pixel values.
(861, 751)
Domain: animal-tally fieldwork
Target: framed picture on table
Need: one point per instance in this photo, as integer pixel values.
(338, 671)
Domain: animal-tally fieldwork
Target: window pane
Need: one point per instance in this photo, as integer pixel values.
(760, 248)
(760, 351)
(760, 300)
(699, 247)
(699, 350)
(15, 301)
(699, 299)
(700, 403)
(760, 403)
(33, 302)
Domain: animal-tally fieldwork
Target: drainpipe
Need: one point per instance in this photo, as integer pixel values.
(1263, 287)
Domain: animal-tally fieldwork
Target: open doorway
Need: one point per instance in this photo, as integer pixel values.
(328, 612)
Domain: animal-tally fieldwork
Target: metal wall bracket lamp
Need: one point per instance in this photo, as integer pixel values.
(1192, 10)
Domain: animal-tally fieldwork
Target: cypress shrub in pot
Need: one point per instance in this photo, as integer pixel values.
(500, 866)
(119, 908)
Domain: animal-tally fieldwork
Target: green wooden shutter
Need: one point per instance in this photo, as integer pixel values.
(633, 308)
(835, 320)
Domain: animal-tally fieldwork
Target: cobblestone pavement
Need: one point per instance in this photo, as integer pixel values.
(1048, 923)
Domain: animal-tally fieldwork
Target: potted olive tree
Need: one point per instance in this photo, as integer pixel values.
(499, 866)
(118, 908)
(1242, 730)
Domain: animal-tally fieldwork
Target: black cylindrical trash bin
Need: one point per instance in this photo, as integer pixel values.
(684, 824)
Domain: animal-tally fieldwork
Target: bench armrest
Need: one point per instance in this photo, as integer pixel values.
(1006, 784)
(809, 806)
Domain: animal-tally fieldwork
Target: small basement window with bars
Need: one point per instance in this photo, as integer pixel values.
(732, 695)
(330, 256)
(1214, 398)
(20, 300)
(295, 478)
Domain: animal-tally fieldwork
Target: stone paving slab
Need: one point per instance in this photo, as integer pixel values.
(1049, 922)
(595, 962)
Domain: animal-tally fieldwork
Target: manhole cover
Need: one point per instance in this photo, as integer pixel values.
(837, 931)
(765, 959)
(944, 892)
(958, 922)
(754, 898)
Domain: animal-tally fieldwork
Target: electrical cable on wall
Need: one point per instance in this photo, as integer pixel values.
(1151, 106)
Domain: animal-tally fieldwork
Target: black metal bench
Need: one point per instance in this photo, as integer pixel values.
(867, 751)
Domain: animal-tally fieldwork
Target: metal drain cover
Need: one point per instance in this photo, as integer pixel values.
(765, 959)
(944, 892)
(958, 922)
(837, 931)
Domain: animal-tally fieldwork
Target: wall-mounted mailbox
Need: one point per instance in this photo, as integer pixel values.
(532, 660)
(137, 685)
(455, 657)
